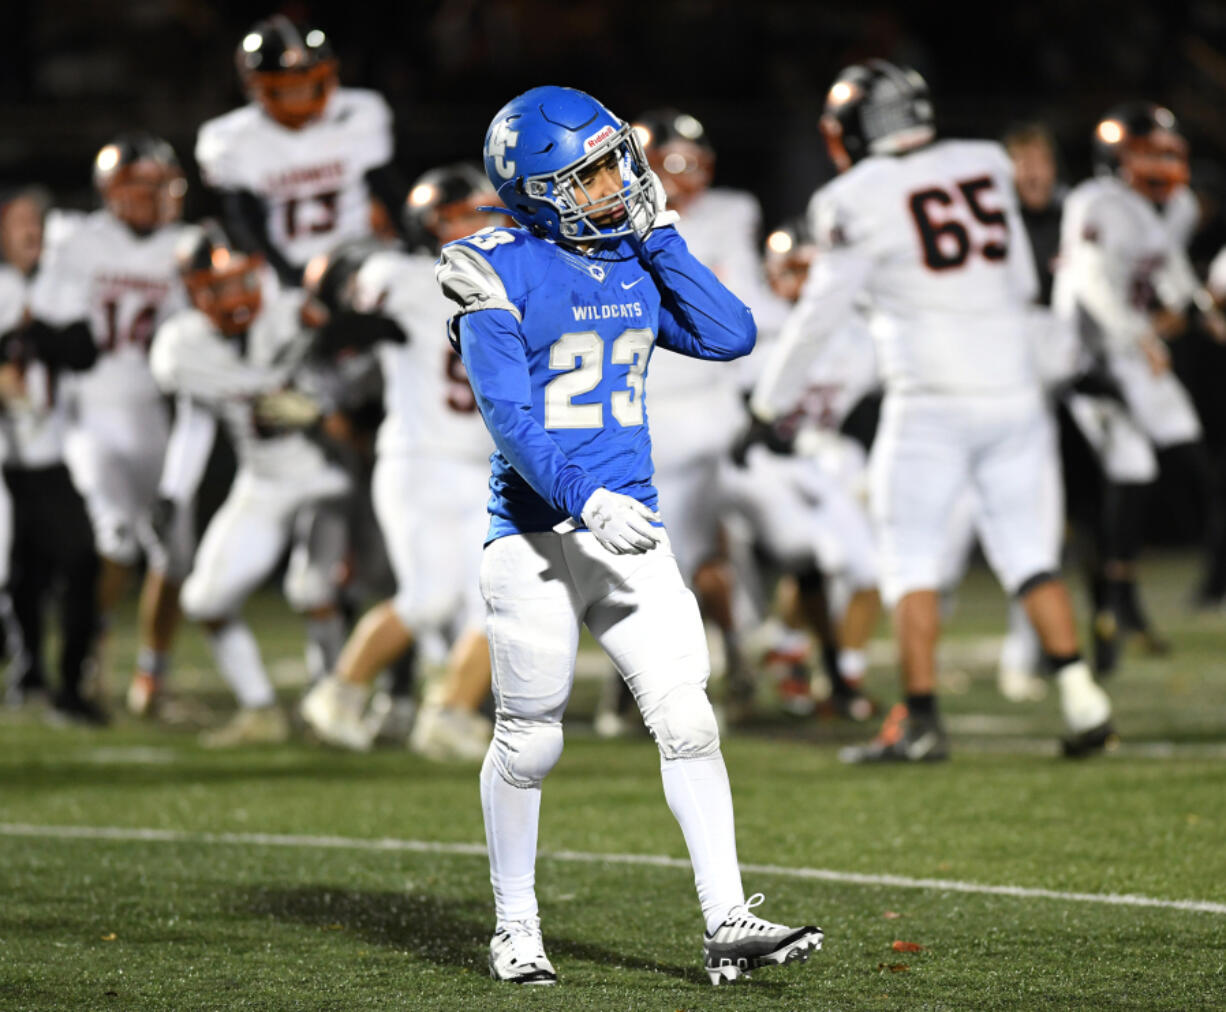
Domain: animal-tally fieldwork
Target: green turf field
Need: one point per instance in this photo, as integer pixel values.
(139, 871)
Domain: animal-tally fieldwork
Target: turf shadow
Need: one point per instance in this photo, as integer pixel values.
(442, 930)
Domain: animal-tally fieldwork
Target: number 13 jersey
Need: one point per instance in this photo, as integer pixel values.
(312, 180)
(934, 240)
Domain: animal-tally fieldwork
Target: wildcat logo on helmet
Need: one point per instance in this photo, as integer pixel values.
(599, 137)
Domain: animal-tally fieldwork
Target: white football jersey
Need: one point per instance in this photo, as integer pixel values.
(1117, 263)
(124, 286)
(429, 406)
(695, 404)
(1182, 216)
(193, 358)
(32, 427)
(312, 180)
(932, 243)
(843, 374)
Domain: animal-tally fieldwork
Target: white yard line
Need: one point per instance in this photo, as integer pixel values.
(119, 833)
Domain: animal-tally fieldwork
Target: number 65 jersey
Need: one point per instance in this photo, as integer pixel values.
(933, 241)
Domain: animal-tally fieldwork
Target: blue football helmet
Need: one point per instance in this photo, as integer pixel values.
(541, 142)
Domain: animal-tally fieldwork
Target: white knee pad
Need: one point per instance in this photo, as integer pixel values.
(524, 751)
(683, 724)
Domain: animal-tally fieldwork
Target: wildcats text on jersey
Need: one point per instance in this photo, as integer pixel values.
(607, 312)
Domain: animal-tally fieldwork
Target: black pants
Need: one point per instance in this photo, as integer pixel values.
(53, 555)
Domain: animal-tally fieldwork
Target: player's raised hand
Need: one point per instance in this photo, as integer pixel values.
(654, 214)
(621, 524)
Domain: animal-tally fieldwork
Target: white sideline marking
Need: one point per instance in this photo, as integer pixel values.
(19, 829)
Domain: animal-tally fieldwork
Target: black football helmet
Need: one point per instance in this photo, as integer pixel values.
(1141, 143)
(140, 180)
(329, 277)
(876, 108)
(444, 204)
(222, 282)
(679, 152)
(291, 70)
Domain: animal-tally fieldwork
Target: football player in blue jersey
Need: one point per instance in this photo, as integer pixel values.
(557, 321)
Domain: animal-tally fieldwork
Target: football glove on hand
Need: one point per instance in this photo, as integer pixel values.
(284, 411)
(621, 524)
(654, 213)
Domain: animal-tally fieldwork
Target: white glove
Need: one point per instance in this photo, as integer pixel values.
(655, 214)
(621, 524)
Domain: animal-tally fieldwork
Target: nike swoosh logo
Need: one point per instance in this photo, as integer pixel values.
(632, 283)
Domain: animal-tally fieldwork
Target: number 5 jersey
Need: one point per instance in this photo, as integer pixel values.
(933, 243)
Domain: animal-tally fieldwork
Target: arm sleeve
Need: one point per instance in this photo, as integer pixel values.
(70, 347)
(187, 452)
(247, 224)
(356, 332)
(494, 355)
(827, 300)
(60, 293)
(699, 317)
(1176, 283)
(208, 371)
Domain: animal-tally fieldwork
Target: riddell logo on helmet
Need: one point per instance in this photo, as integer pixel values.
(599, 137)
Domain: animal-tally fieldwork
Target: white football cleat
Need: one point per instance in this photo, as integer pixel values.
(450, 734)
(517, 954)
(336, 712)
(1087, 711)
(745, 942)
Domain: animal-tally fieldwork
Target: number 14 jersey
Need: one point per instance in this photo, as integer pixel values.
(935, 242)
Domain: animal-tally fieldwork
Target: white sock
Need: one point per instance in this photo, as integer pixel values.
(512, 819)
(700, 798)
(238, 659)
(852, 665)
(325, 638)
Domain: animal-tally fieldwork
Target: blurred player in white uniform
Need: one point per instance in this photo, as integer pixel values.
(45, 531)
(114, 273)
(928, 230)
(697, 409)
(431, 475)
(297, 166)
(805, 506)
(1124, 281)
(235, 352)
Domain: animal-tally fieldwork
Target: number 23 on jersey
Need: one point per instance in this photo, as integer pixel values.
(581, 354)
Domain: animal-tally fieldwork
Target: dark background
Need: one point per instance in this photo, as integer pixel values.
(76, 72)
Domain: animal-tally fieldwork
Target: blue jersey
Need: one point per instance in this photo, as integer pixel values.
(557, 346)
